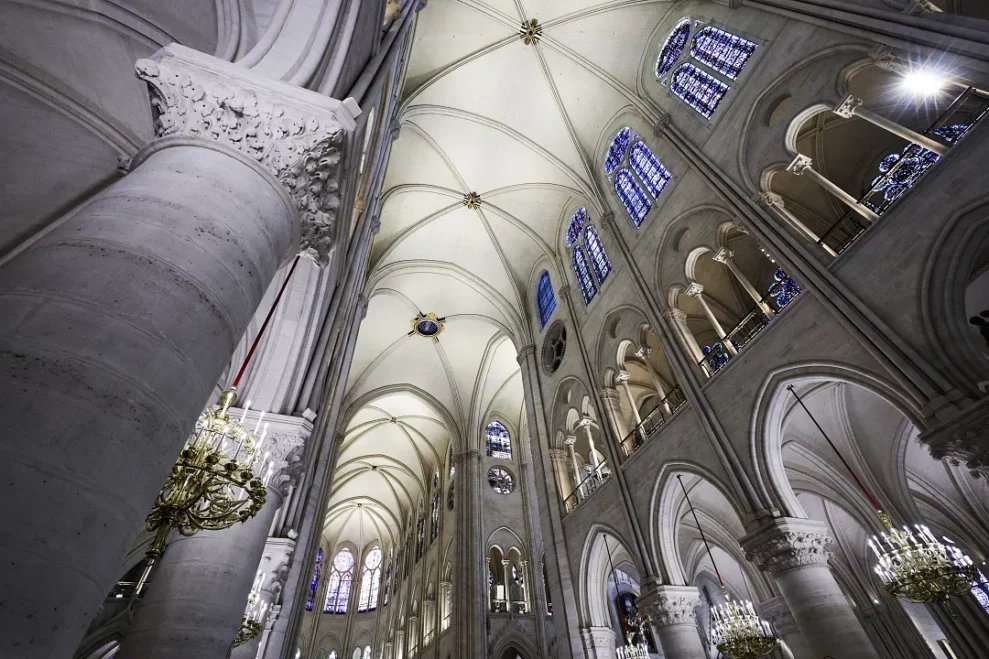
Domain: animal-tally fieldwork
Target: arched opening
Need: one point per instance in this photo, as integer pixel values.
(880, 445)
(855, 162)
(497, 592)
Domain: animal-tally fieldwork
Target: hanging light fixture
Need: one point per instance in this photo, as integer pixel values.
(912, 564)
(630, 625)
(252, 621)
(737, 631)
(221, 476)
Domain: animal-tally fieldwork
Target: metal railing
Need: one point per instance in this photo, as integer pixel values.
(594, 479)
(780, 294)
(899, 173)
(653, 421)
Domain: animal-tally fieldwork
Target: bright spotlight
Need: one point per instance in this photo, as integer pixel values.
(923, 82)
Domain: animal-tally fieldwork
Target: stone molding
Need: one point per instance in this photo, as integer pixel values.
(659, 128)
(800, 164)
(846, 109)
(609, 393)
(671, 605)
(769, 200)
(777, 612)
(598, 637)
(285, 445)
(525, 351)
(694, 290)
(723, 255)
(275, 562)
(964, 440)
(298, 136)
(787, 544)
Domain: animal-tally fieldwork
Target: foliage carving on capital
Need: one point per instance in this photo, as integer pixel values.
(769, 200)
(671, 606)
(799, 165)
(786, 546)
(847, 107)
(963, 441)
(299, 142)
(286, 452)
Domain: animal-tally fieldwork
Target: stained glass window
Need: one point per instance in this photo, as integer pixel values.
(434, 520)
(584, 280)
(370, 581)
(635, 201)
(501, 480)
(673, 48)
(898, 173)
(367, 652)
(387, 583)
(723, 51)
(499, 440)
(783, 289)
(599, 259)
(314, 584)
(652, 172)
(698, 89)
(339, 582)
(616, 152)
(546, 298)
(576, 226)
(420, 534)
(449, 497)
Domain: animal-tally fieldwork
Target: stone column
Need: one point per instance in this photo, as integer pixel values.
(592, 455)
(599, 642)
(673, 613)
(559, 460)
(195, 605)
(777, 613)
(794, 552)
(644, 353)
(613, 411)
(801, 165)
(679, 320)
(696, 290)
(773, 201)
(853, 107)
(117, 324)
(725, 256)
(622, 379)
(569, 442)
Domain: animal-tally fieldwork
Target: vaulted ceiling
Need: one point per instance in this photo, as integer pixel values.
(525, 127)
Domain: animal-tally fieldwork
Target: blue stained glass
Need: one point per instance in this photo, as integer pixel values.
(499, 440)
(434, 523)
(387, 583)
(344, 595)
(546, 299)
(673, 48)
(698, 89)
(652, 172)
(339, 582)
(635, 201)
(576, 225)
(951, 133)
(898, 173)
(616, 152)
(420, 534)
(722, 51)
(584, 280)
(716, 358)
(599, 258)
(314, 584)
(784, 289)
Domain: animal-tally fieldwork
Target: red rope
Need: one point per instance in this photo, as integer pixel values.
(836, 452)
(257, 339)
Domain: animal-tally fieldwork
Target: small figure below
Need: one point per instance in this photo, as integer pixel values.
(982, 322)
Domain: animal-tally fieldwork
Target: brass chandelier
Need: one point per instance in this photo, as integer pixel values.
(252, 622)
(912, 564)
(221, 476)
(737, 631)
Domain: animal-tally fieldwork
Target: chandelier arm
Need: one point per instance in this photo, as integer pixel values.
(264, 325)
(834, 448)
(703, 537)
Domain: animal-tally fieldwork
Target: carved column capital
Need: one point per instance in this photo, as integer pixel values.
(694, 290)
(622, 377)
(525, 351)
(564, 291)
(670, 605)
(644, 352)
(723, 255)
(609, 393)
(298, 136)
(375, 224)
(285, 446)
(848, 106)
(678, 315)
(963, 440)
(799, 165)
(362, 302)
(394, 128)
(769, 200)
(787, 544)
(570, 440)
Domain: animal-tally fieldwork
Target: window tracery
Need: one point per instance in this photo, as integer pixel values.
(635, 190)
(580, 236)
(499, 441)
(339, 582)
(370, 581)
(314, 583)
(722, 52)
(434, 521)
(546, 299)
(420, 533)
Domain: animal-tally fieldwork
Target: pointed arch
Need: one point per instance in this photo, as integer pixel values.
(339, 582)
(583, 273)
(599, 258)
(370, 581)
